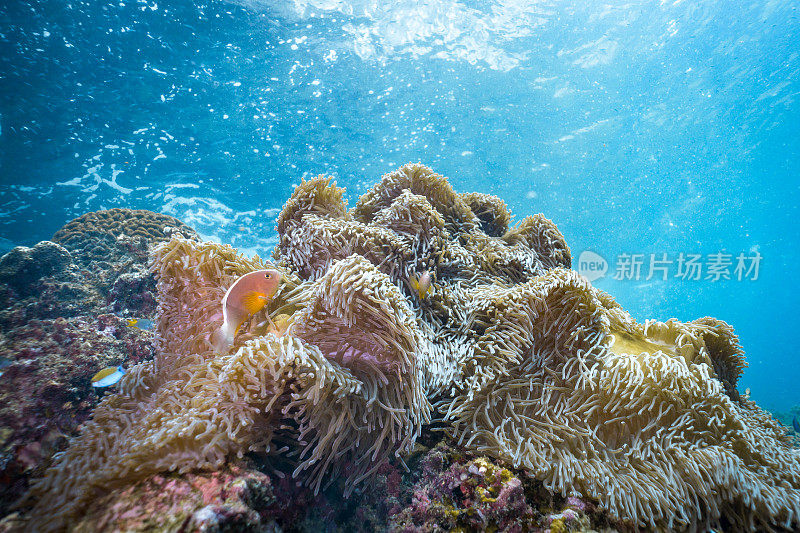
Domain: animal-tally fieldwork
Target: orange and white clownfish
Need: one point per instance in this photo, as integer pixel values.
(248, 294)
(422, 283)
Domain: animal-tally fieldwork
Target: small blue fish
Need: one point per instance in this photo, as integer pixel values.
(795, 425)
(142, 323)
(4, 363)
(108, 376)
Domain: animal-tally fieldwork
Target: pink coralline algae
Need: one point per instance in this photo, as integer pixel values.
(232, 499)
(45, 391)
(56, 331)
(237, 497)
(473, 495)
(448, 490)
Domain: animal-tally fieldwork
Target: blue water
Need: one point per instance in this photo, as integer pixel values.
(638, 127)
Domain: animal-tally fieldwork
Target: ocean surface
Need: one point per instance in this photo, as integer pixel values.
(661, 137)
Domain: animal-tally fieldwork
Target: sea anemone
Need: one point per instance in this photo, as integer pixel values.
(518, 357)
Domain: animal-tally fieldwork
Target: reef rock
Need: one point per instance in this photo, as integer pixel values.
(472, 495)
(22, 266)
(56, 331)
(514, 355)
(45, 389)
(133, 293)
(95, 237)
(96, 263)
(231, 499)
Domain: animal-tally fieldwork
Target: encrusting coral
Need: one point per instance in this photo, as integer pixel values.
(57, 331)
(120, 221)
(517, 356)
(94, 237)
(473, 495)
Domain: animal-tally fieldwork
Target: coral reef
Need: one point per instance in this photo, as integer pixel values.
(475, 495)
(23, 266)
(95, 236)
(451, 489)
(516, 357)
(56, 331)
(192, 408)
(45, 391)
(97, 263)
(231, 499)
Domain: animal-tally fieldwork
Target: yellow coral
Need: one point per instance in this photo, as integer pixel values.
(558, 526)
(493, 475)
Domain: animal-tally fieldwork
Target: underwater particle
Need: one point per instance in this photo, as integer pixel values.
(248, 295)
(108, 376)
